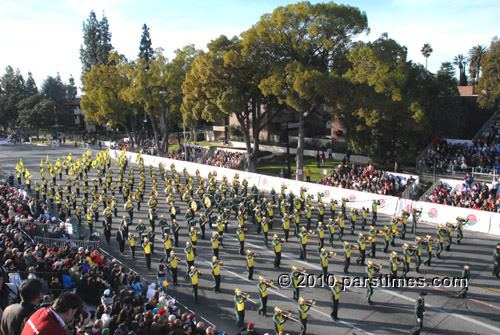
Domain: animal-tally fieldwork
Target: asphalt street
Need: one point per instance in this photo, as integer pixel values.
(393, 308)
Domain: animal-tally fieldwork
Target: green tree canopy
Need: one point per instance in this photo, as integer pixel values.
(145, 49)
(304, 43)
(96, 43)
(489, 85)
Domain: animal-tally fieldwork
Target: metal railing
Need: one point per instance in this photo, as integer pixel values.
(61, 242)
(411, 191)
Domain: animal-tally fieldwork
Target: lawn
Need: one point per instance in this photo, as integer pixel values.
(273, 166)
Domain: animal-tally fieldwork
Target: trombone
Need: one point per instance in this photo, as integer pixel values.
(270, 284)
(288, 313)
(331, 254)
(311, 302)
(247, 296)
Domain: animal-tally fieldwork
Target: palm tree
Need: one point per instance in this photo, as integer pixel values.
(461, 62)
(476, 54)
(426, 52)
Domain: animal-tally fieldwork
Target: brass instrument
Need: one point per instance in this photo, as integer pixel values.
(394, 232)
(354, 247)
(331, 254)
(288, 313)
(310, 232)
(177, 258)
(199, 272)
(311, 302)
(379, 266)
(220, 262)
(247, 296)
(282, 240)
(370, 239)
(256, 254)
(270, 284)
(303, 271)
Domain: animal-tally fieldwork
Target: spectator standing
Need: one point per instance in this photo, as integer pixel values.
(53, 320)
(318, 156)
(308, 174)
(15, 316)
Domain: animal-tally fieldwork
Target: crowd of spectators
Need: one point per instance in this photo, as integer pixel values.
(469, 195)
(189, 153)
(366, 179)
(482, 154)
(118, 301)
(228, 159)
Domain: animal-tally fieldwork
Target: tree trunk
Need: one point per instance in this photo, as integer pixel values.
(132, 138)
(248, 143)
(300, 147)
(252, 158)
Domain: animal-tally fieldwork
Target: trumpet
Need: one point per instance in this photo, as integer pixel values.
(255, 254)
(394, 232)
(282, 240)
(331, 254)
(379, 266)
(177, 258)
(354, 247)
(310, 232)
(220, 262)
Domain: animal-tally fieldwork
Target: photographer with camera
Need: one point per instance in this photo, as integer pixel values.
(66, 311)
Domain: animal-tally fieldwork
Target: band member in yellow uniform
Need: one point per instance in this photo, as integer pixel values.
(239, 305)
(147, 246)
(362, 249)
(172, 259)
(193, 274)
(250, 260)
(216, 273)
(303, 243)
(277, 251)
(131, 244)
(295, 276)
(279, 320)
(321, 236)
(241, 239)
(303, 308)
(215, 244)
(347, 256)
(262, 286)
(336, 289)
(188, 250)
(324, 255)
(371, 270)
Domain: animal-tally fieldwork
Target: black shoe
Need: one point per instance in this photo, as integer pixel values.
(370, 302)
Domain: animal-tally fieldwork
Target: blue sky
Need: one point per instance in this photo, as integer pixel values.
(44, 37)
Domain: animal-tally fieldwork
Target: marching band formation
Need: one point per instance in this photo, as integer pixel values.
(214, 203)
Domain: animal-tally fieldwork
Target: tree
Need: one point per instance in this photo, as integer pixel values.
(145, 49)
(96, 43)
(426, 52)
(393, 107)
(476, 54)
(103, 101)
(145, 87)
(461, 62)
(36, 112)
(172, 96)
(30, 86)
(489, 85)
(447, 70)
(12, 90)
(224, 81)
(304, 43)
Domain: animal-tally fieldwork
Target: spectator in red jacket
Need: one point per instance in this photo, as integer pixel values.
(53, 320)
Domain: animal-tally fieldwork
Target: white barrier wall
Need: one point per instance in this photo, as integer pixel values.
(480, 221)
